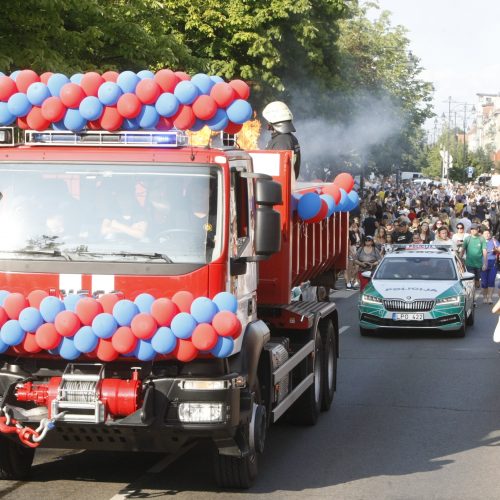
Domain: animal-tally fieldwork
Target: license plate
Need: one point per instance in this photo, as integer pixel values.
(408, 316)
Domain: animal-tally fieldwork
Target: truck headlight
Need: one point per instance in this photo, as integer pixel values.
(195, 413)
(370, 299)
(449, 301)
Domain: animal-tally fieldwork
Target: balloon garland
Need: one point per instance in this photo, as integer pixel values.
(316, 205)
(126, 100)
(109, 327)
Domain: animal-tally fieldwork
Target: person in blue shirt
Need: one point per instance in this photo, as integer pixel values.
(488, 275)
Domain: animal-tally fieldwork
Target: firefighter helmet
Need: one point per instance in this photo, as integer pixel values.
(279, 116)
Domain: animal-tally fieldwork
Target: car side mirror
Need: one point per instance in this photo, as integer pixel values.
(468, 276)
(366, 274)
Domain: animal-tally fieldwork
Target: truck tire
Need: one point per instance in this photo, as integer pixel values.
(15, 460)
(305, 411)
(327, 331)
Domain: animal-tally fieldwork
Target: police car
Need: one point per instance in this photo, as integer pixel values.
(418, 286)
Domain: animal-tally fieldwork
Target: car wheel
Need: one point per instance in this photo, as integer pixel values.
(461, 331)
(470, 320)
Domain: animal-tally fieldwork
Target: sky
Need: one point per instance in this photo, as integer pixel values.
(457, 44)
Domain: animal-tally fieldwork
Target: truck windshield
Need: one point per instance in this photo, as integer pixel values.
(416, 268)
(115, 212)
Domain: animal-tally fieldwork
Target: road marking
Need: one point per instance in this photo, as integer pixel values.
(343, 329)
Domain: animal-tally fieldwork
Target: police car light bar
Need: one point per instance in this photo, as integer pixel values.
(399, 247)
(170, 139)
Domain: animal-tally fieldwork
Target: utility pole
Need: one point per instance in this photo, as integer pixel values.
(448, 139)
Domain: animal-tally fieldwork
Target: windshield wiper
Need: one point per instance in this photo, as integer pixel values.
(51, 253)
(152, 255)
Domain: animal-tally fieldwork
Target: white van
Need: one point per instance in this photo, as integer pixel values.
(411, 176)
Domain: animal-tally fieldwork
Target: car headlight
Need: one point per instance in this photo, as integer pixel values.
(449, 301)
(370, 299)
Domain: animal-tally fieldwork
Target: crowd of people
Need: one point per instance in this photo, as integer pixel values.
(464, 217)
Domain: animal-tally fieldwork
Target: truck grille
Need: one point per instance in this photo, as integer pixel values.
(401, 305)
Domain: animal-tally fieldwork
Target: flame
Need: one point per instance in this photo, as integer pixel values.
(248, 137)
(200, 138)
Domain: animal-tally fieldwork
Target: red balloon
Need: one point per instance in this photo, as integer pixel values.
(148, 91)
(108, 301)
(128, 105)
(334, 191)
(25, 78)
(184, 119)
(233, 128)
(163, 311)
(183, 301)
(143, 326)
(123, 340)
(47, 337)
(204, 337)
(110, 119)
(14, 303)
(204, 107)
(22, 123)
(71, 95)
(44, 77)
(105, 350)
(185, 351)
(241, 88)
(323, 211)
(223, 94)
(53, 109)
(91, 82)
(36, 120)
(226, 324)
(182, 75)
(167, 80)
(3, 316)
(35, 297)
(29, 344)
(67, 323)
(344, 181)
(165, 123)
(8, 87)
(87, 309)
(110, 76)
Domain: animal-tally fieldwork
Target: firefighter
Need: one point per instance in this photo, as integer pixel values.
(279, 119)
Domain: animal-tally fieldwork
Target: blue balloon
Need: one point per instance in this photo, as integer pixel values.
(104, 325)
(74, 121)
(186, 92)
(50, 307)
(198, 125)
(226, 301)
(127, 81)
(59, 125)
(12, 333)
(76, 78)
(354, 199)
(56, 83)
(295, 201)
(145, 73)
(67, 349)
(167, 104)
(148, 117)
(14, 74)
(203, 83)
(37, 93)
(70, 301)
(144, 301)
(91, 108)
(130, 124)
(85, 339)
(223, 348)
(219, 121)
(124, 311)
(330, 202)
(164, 341)
(109, 93)
(216, 79)
(144, 350)
(203, 310)
(343, 201)
(3, 295)
(239, 111)
(183, 325)
(309, 206)
(18, 104)
(3, 346)
(6, 117)
(30, 319)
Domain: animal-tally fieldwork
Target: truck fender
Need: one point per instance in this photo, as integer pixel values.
(257, 334)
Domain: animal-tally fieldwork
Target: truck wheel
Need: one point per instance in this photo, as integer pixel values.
(305, 411)
(327, 331)
(15, 460)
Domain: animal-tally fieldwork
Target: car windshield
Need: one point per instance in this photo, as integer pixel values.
(416, 268)
(115, 212)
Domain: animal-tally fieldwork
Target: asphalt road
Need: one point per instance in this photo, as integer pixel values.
(415, 416)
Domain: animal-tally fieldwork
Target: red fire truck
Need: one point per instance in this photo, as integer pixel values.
(132, 214)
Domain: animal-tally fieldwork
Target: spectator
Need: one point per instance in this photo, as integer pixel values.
(474, 248)
(488, 275)
(402, 235)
